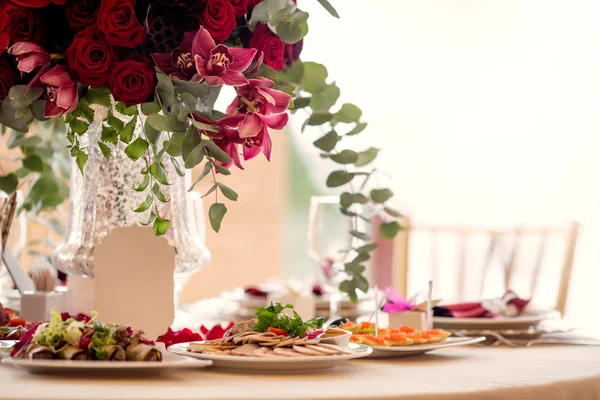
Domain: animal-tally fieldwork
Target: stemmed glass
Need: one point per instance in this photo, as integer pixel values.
(329, 244)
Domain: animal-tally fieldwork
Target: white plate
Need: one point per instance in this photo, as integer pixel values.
(520, 322)
(283, 364)
(169, 362)
(406, 351)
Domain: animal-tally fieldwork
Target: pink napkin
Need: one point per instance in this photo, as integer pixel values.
(478, 309)
(397, 303)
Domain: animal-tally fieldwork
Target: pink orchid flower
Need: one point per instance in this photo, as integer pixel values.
(60, 91)
(219, 64)
(180, 63)
(29, 56)
(228, 140)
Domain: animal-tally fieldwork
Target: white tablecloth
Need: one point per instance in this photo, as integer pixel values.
(539, 373)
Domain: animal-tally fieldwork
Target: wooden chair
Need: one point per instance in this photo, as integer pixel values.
(508, 249)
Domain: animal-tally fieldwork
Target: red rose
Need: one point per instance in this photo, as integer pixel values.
(218, 18)
(269, 43)
(292, 52)
(37, 3)
(240, 7)
(90, 58)
(24, 25)
(82, 13)
(132, 81)
(119, 23)
(4, 35)
(8, 78)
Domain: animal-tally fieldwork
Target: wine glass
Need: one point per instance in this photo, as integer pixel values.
(330, 245)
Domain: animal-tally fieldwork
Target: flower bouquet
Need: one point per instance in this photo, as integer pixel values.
(163, 63)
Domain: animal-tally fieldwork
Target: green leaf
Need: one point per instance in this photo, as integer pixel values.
(114, 122)
(348, 113)
(150, 108)
(78, 126)
(81, 159)
(142, 186)
(100, 96)
(145, 205)
(381, 195)
(195, 156)
(360, 235)
(367, 247)
(389, 230)
(345, 157)
(294, 73)
(301, 102)
(354, 268)
(159, 195)
(165, 89)
(346, 200)
(360, 198)
(9, 119)
(209, 191)
(22, 172)
(109, 135)
(205, 171)
(8, 183)
(16, 139)
(217, 152)
(327, 142)
(314, 77)
(38, 106)
(174, 147)
(319, 117)
(361, 283)
(227, 191)
(130, 111)
(160, 122)
(327, 5)
(290, 32)
(366, 157)
(151, 219)
(215, 214)
(126, 133)
(151, 134)
(136, 149)
(178, 168)
(190, 141)
(33, 163)
(221, 169)
(358, 128)
(326, 98)
(361, 257)
(19, 99)
(158, 172)
(204, 127)
(393, 213)
(350, 288)
(51, 200)
(160, 226)
(339, 178)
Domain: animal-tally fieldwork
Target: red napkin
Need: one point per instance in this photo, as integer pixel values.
(255, 292)
(478, 309)
(186, 335)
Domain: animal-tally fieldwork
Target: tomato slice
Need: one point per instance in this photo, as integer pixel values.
(17, 322)
(277, 331)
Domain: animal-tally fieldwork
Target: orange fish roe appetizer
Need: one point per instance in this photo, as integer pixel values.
(407, 329)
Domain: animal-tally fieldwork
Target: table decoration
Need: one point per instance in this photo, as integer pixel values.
(187, 335)
(136, 81)
(411, 312)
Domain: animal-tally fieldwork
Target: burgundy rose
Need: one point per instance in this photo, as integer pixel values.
(37, 3)
(291, 52)
(132, 81)
(269, 43)
(4, 35)
(119, 23)
(90, 58)
(8, 78)
(82, 13)
(218, 18)
(24, 25)
(240, 7)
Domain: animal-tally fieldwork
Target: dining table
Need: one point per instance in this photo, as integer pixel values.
(541, 372)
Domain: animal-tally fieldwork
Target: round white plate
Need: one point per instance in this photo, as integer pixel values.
(6, 345)
(169, 362)
(519, 322)
(406, 351)
(283, 364)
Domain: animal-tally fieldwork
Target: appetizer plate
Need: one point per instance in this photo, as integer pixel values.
(6, 345)
(85, 368)
(519, 322)
(414, 350)
(280, 365)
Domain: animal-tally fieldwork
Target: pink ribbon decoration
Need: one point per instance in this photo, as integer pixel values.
(397, 303)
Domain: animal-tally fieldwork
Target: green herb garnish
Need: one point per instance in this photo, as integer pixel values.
(273, 317)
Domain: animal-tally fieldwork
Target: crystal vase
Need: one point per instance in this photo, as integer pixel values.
(103, 199)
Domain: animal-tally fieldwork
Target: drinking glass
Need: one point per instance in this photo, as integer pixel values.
(330, 243)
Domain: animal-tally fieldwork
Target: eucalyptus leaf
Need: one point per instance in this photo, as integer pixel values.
(204, 127)
(358, 128)
(221, 169)
(227, 191)
(345, 157)
(381, 195)
(328, 141)
(348, 113)
(361, 257)
(217, 152)
(367, 247)
(160, 122)
(393, 213)
(301, 102)
(34, 163)
(314, 77)
(366, 157)
(165, 89)
(209, 191)
(319, 117)
(19, 98)
(326, 98)
(339, 178)
(327, 5)
(8, 183)
(215, 215)
(194, 157)
(389, 230)
(190, 141)
(346, 200)
(360, 235)
(205, 171)
(150, 108)
(354, 267)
